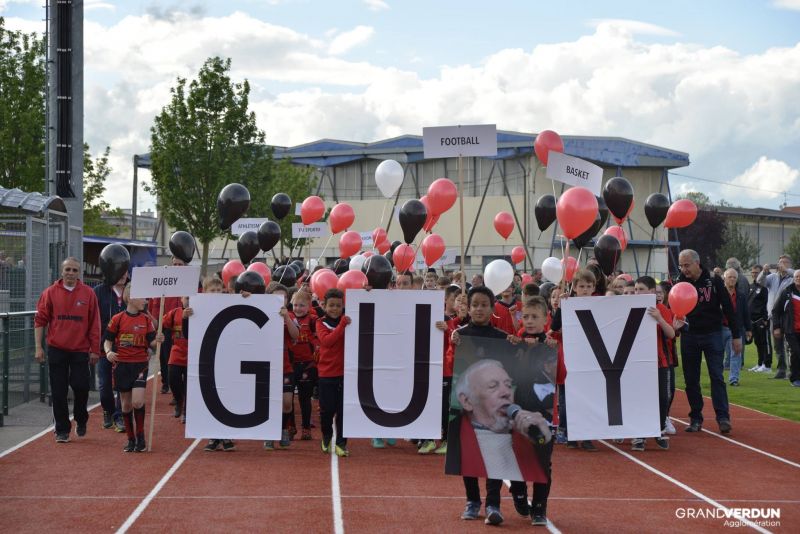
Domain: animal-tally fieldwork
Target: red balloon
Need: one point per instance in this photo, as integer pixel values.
(262, 269)
(442, 194)
(352, 280)
(432, 249)
(545, 142)
(619, 233)
(384, 246)
(322, 281)
(341, 217)
(232, 269)
(378, 235)
(403, 257)
(504, 223)
(576, 211)
(349, 244)
(311, 210)
(517, 254)
(368, 253)
(682, 299)
(526, 279)
(682, 213)
(570, 269)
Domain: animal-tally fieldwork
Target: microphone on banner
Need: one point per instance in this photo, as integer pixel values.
(534, 432)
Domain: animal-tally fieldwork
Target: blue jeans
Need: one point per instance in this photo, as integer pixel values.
(693, 346)
(732, 358)
(107, 399)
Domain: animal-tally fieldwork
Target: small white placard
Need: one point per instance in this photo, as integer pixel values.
(298, 208)
(366, 240)
(243, 225)
(311, 231)
(454, 141)
(152, 282)
(574, 171)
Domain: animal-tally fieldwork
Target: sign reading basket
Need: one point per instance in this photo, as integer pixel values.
(574, 171)
(153, 282)
(455, 141)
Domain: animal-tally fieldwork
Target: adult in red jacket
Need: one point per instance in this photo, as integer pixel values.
(68, 309)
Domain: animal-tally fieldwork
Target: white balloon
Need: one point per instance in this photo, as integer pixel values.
(389, 177)
(498, 275)
(552, 269)
(357, 262)
(311, 264)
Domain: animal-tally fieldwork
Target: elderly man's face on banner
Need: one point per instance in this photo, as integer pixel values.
(488, 393)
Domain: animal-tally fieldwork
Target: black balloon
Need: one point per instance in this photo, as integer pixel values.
(252, 282)
(379, 271)
(389, 257)
(269, 233)
(655, 208)
(247, 245)
(232, 203)
(395, 244)
(412, 218)
(584, 239)
(602, 209)
(115, 260)
(341, 266)
(285, 275)
(298, 266)
(618, 194)
(607, 251)
(281, 204)
(181, 244)
(545, 211)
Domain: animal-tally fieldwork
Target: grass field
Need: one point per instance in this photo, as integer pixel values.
(756, 390)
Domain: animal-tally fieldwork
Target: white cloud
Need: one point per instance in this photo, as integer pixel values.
(767, 178)
(90, 5)
(376, 5)
(787, 4)
(344, 42)
(635, 27)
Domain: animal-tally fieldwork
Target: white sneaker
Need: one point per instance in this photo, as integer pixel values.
(756, 369)
(668, 427)
(765, 369)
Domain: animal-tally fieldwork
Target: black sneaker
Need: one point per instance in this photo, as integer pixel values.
(780, 375)
(165, 389)
(131, 446)
(724, 426)
(141, 446)
(212, 445)
(471, 511)
(177, 411)
(588, 446)
(228, 445)
(62, 437)
(108, 421)
(493, 516)
(637, 444)
(572, 444)
(695, 426)
(663, 443)
(539, 515)
(80, 430)
(521, 505)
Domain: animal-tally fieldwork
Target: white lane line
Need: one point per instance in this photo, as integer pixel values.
(150, 496)
(772, 415)
(745, 445)
(684, 487)
(336, 493)
(550, 526)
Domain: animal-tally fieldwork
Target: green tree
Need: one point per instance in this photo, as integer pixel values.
(95, 174)
(22, 81)
(793, 247)
(739, 245)
(707, 234)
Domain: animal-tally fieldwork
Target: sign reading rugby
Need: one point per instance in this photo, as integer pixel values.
(152, 282)
(574, 171)
(454, 141)
(243, 225)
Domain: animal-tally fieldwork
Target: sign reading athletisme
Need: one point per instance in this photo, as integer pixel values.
(611, 357)
(235, 373)
(393, 364)
(454, 141)
(243, 225)
(574, 171)
(153, 282)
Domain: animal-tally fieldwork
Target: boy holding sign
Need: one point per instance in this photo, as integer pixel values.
(330, 331)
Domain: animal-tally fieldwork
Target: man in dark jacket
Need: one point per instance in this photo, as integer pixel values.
(757, 304)
(786, 315)
(109, 300)
(702, 334)
(739, 301)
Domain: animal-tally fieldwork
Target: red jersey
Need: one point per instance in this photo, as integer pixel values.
(72, 317)
(170, 303)
(132, 335)
(504, 321)
(331, 347)
(304, 348)
(179, 354)
(796, 311)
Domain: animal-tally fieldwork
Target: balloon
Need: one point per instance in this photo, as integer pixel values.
(349, 244)
(269, 233)
(311, 264)
(655, 209)
(682, 213)
(357, 262)
(412, 219)
(552, 269)
(389, 177)
(403, 257)
(379, 236)
(367, 253)
(181, 244)
(545, 142)
(607, 251)
(341, 266)
(576, 211)
(430, 219)
(571, 265)
(252, 282)
(322, 281)
(352, 280)
(285, 274)
(618, 194)
(517, 255)
(603, 210)
(311, 210)
(682, 299)
(232, 203)
(280, 205)
(379, 272)
(389, 258)
(498, 276)
(247, 245)
(583, 239)
(298, 266)
(545, 211)
(442, 194)
(432, 249)
(232, 269)
(504, 224)
(383, 247)
(115, 260)
(262, 269)
(619, 233)
(395, 244)
(526, 279)
(341, 217)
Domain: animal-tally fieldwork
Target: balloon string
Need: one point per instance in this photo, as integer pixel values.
(383, 213)
(328, 242)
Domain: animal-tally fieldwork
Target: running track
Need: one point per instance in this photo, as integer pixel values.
(90, 485)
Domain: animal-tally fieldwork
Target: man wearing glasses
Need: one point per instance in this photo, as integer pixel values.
(69, 311)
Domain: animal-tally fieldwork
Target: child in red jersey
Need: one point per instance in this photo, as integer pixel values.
(303, 352)
(129, 337)
(509, 309)
(175, 320)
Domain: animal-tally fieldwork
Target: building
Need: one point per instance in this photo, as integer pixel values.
(769, 229)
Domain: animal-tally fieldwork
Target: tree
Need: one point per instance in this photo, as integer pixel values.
(707, 234)
(95, 174)
(22, 83)
(738, 245)
(793, 247)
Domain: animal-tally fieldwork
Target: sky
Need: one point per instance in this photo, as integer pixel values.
(719, 80)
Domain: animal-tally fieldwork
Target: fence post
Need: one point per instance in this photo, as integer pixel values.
(6, 360)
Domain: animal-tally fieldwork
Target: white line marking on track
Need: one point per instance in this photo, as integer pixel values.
(150, 496)
(550, 526)
(772, 415)
(684, 487)
(745, 445)
(336, 494)
(44, 432)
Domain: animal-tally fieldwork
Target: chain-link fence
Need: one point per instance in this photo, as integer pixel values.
(24, 379)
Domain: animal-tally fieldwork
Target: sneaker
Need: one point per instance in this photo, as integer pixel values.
(377, 443)
(165, 389)
(663, 443)
(269, 445)
(572, 444)
(695, 426)
(765, 369)
(796, 383)
(471, 511)
(493, 515)
(212, 445)
(341, 451)
(637, 444)
(326, 445)
(80, 430)
(734, 383)
(669, 428)
(561, 437)
(62, 437)
(756, 369)
(539, 515)
(780, 375)
(119, 425)
(390, 442)
(619, 441)
(177, 411)
(521, 505)
(588, 446)
(442, 448)
(130, 447)
(108, 422)
(305, 435)
(141, 446)
(228, 445)
(427, 447)
(724, 426)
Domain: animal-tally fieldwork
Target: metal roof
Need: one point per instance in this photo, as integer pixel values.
(30, 202)
(759, 213)
(122, 241)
